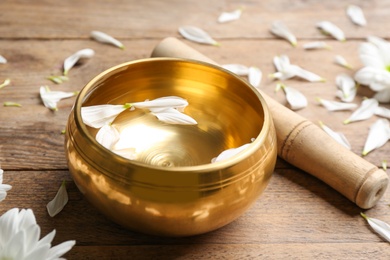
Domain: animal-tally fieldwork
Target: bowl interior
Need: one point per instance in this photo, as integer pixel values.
(229, 112)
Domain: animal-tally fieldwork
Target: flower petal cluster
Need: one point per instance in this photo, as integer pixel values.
(19, 238)
(375, 55)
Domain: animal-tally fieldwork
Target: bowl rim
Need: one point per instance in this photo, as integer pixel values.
(91, 140)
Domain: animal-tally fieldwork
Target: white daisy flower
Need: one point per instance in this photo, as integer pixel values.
(19, 238)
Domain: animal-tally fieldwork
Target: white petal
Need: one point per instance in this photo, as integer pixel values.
(238, 69)
(51, 98)
(230, 16)
(163, 102)
(173, 116)
(376, 79)
(229, 153)
(383, 48)
(295, 99)
(59, 250)
(383, 112)
(365, 111)
(339, 137)
(379, 226)
(347, 87)
(58, 203)
(3, 60)
(383, 96)
(128, 153)
(107, 136)
(281, 30)
(281, 62)
(331, 29)
(105, 38)
(196, 34)
(3, 187)
(316, 45)
(304, 74)
(100, 115)
(340, 60)
(336, 106)
(355, 13)
(370, 55)
(74, 58)
(255, 76)
(378, 135)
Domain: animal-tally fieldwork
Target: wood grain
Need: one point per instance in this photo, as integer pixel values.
(297, 217)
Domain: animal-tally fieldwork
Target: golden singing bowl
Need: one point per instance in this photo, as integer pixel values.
(172, 188)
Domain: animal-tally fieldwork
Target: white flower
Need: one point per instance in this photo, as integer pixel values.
(339, 137)
(230, 16)
(331, 29)
(347, 88)
(58, 203)
(378, 135)
(227, 154)
(316, 45)
(19, 238)
(355, 13)
(340, 60)
(108, 136)
(240, 70)
(74, 58)
(196, 34)
(3, 187)
(3, 60)
(366, 110)
(255, 76)
(380, 227)
(287, 70)
(172, 116)
(100, 115)
(295, 99)
(5, 83)
(280, 29)
(105, 38)
(336, 106)
(375, 55)
(51, 98)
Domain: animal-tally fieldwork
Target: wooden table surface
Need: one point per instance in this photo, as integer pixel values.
(297, 217)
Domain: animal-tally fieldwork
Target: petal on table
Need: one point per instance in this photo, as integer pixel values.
(198, 35)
